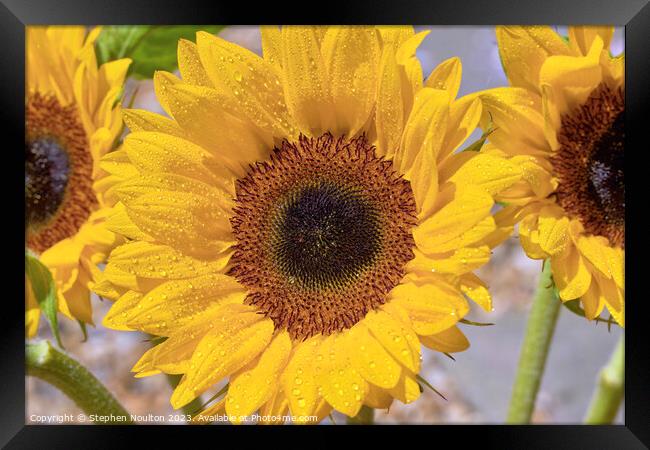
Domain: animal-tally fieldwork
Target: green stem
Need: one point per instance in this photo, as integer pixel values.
(534, 350)
(609, 390)
(366, 416)
(74, 380)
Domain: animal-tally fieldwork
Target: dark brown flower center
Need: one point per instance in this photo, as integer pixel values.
(589, 164)
(46, 177)
(323, 233)
(58, 173)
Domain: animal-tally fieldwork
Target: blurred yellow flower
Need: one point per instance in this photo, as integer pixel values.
(72, 120)
(562, 123)
(302, 223)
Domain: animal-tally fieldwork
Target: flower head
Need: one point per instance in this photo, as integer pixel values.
(302, 223)
(72, 120)
(562, 122)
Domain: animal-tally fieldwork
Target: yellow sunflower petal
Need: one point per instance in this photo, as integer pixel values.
(571, 274)
(422, 131)
(517, 122)
(175, 353)
(451, 340)
(592, 300)
(149, 260)
(119, 164)
(272, 44)
(462, 260)
(116, 317)
(567, 81)
(340, 384)
(406, 56)
(209, 414)
(32, 319)
(608, 260)
(614, 298)
(297, 379)
(189, 64)
(201, 113)
(145, 366)
(432, 306)
(529, 236)
(389, 109)
(395, 35)
(77, 299)
(478, 235)
(217, 196)
(323, 409)
(553, 234)
(177, 302)
(476, 290)
(237, 339)
(252, 388)
(305, 84)
(250, 80)
(173, 220)
(613, 70)
(490, 172)
(407, 389)
(535, 174)
(162, 81)
(581, 37)
(157, 152)
(378, 398)
(468, 207)
(464, 116)
(369, 358)
(120, 223)
(524, 49)
(273, 410)
(446, 76)
(142, 120)
(350, 56)
(394, 336)
(63, 257)
(424, 180)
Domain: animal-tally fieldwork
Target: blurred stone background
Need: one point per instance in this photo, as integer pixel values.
(477, 385)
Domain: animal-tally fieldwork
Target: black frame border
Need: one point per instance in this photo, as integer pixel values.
(633, 14)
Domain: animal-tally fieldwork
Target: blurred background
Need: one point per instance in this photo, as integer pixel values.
(477, 385)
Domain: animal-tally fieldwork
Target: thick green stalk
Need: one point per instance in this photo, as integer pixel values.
(534, 350)
(609, 390)
(74, 380)
(366, 416)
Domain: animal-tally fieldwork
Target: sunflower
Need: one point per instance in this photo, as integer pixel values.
(302, 222)
(72, 119)
(562, 123)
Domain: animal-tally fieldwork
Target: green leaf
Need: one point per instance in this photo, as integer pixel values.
(427, 384)
(221, 392)
(476, 324)
(449, 356)
(575, 308)
(155, 340)
(115, 42)
(477, 145)
(84, 331)
(44, 290)
(150, 47)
